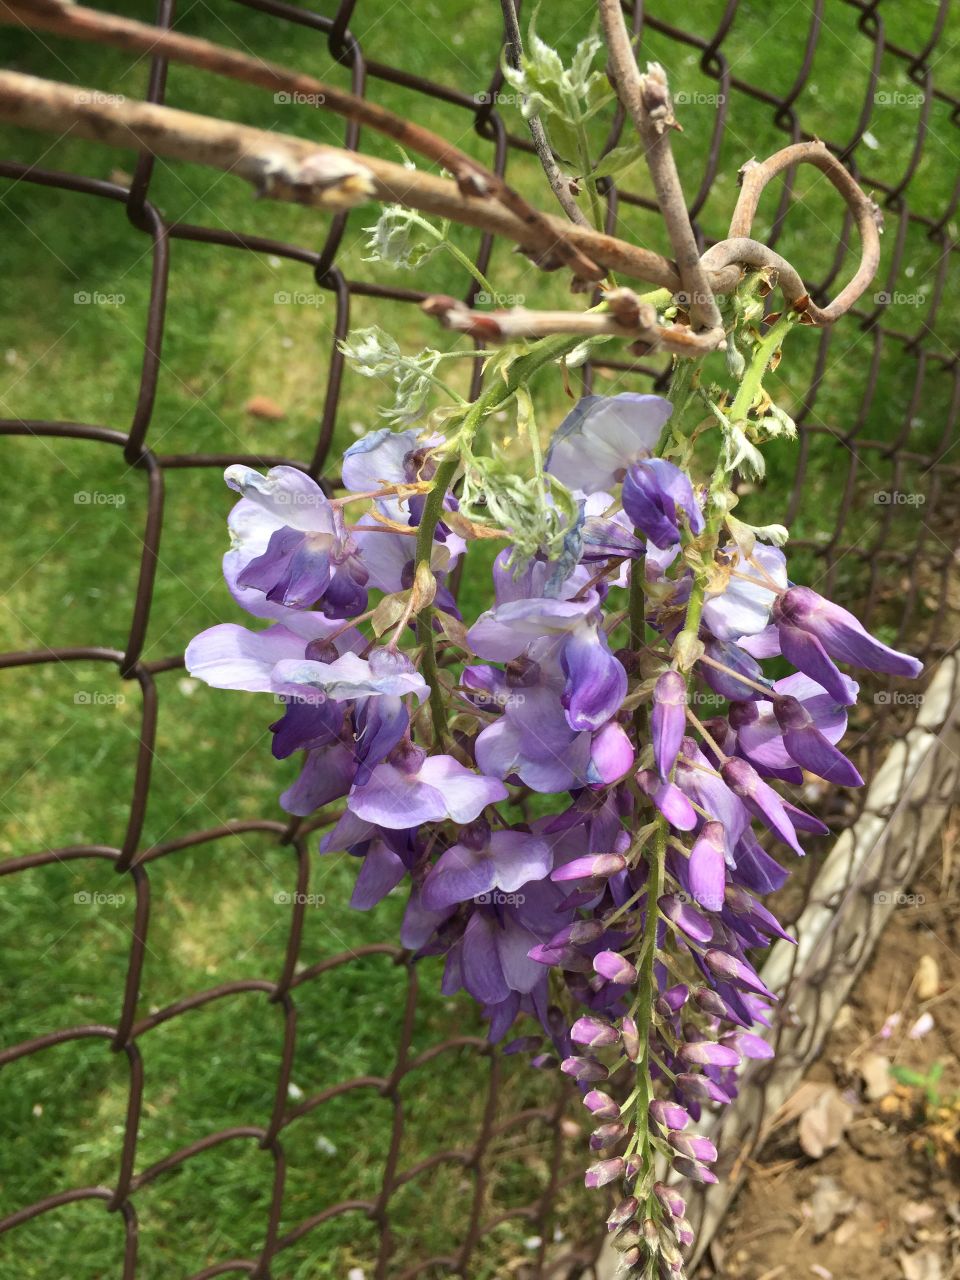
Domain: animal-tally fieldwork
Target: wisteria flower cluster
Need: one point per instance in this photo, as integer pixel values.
(619, 671)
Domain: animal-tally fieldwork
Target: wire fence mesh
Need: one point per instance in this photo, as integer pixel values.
(896, 455)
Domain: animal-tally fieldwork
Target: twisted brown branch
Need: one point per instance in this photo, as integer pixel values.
(646, 99)
(277, 165)
(549, 240)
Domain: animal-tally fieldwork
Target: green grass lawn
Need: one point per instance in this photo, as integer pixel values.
(68, 764)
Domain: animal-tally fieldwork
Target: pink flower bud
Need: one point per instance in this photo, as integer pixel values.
(604, 1171)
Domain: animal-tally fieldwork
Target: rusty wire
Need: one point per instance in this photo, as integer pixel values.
(930, 560)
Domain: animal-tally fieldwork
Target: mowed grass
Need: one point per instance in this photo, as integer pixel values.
(74, 520)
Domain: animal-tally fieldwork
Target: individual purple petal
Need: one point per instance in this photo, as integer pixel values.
(808, 655)
(764, 644)
(596, 681)
(703, 1088)
(480, 961)
(842, 635)
(734, 970)
(379, 725)
(611, 755)
(693, 1171)
(653, 490)
(708, 1053)
(378, 459)
(736, 658)
(761, 799)
(669, 799)
(707, 870)
(668, 720)
(693, 1145)
(466, 793)
(380, 871)
(602, 435)
(754, 867)
(231, 657)
(503, 633)
(327, 775)
(804, 821)
(743, 607)
(384, 673)
(749, 1045)
(305, 725)
(808, 746)
(686, 918)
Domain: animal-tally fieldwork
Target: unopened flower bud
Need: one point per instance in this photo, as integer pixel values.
(607, 1135)
(615, 968)
(601, 1104)
(631, 1038)
(623, 1213)
(601, 865)
(668, 1115)
(584, 1068)
(603, 1172)
(693, 1145)
(671, 1199)
(593, 1032)
(709, 1054)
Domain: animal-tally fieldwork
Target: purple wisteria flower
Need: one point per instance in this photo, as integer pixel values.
(579, 792)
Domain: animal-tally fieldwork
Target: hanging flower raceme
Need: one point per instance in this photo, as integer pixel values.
(628, 919)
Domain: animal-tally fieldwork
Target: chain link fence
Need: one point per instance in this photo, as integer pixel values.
(896, 455)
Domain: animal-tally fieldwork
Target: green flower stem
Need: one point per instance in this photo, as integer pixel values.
(545, 351)
(452, 249)
(646, 994)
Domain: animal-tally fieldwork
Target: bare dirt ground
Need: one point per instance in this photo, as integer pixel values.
(882, 1105)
